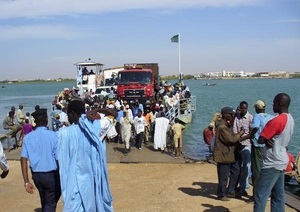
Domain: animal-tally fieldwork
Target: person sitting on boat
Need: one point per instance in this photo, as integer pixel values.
(185, 92)
(85, 73)
(91, 72)
(208, 136)
(74, 93)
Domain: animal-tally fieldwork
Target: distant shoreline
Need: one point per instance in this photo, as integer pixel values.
(170, 77)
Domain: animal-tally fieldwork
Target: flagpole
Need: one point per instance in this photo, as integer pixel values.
(179, 57)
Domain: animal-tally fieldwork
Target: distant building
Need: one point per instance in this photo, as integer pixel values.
(280, 74)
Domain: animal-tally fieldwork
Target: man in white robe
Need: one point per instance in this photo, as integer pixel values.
(126, 130)
(160, 133)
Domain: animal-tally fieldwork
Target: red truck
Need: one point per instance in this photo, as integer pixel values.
(138, 81)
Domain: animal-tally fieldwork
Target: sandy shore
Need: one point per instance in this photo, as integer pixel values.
(140, 187)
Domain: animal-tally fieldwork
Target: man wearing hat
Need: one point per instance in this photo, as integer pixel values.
(223, 154)
(257, 150)
(39, 147)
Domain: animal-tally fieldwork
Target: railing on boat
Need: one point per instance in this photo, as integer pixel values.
(185, 105)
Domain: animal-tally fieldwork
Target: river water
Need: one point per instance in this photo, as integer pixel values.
(210, 99)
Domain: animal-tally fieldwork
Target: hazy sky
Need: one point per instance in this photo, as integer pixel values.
(43, 39)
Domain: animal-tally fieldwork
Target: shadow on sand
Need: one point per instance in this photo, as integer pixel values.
(208, 190)
(212, 208)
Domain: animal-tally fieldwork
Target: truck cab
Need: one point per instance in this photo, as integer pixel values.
(138, 81)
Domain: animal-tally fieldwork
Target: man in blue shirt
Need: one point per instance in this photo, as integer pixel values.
(118, 125)
(257, 150)
(39, 147)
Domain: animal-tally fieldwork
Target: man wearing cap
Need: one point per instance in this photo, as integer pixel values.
(39, 147)
(257, 150)
(243, 120)
(276, 135)
(223, 154)
(129, 112)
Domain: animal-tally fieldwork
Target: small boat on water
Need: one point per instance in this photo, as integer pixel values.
(3, 86)
(209, 84)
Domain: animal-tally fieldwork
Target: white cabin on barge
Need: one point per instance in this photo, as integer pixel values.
(89, 75)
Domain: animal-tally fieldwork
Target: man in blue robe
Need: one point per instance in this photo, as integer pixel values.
(81, 154)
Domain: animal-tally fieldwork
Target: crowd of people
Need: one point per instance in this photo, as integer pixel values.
(135, 121)
(246, 146)
(68, 157)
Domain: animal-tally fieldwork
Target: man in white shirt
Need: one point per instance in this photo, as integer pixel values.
(139, 123)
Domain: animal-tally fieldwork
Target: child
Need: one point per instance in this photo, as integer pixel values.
(57, 123)
(27, 128)
(177, 132)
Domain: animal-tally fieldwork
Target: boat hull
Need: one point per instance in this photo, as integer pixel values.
(186, 118)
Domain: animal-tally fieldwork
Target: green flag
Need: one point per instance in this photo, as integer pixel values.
(175, 39)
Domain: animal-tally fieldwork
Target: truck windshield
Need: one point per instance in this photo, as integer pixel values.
(134, 77)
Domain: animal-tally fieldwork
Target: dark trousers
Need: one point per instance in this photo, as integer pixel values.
(257, 155)
(227, 171)
(48, 185)
(139, 139)
(118, 138)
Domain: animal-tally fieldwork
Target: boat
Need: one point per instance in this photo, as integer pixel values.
(3, 86)
(209, 84)
(182, 109)
(91, 77)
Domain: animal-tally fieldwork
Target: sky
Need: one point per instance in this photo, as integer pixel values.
(44, 39)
